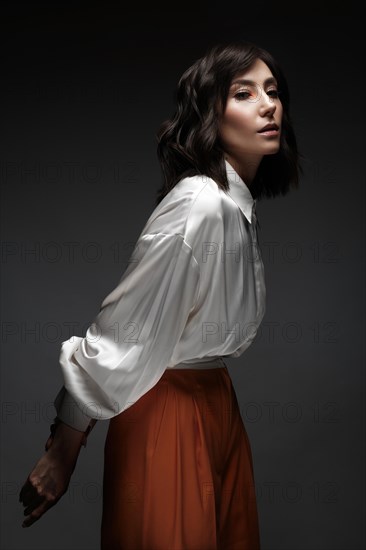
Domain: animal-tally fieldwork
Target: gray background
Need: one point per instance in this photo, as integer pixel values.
(83, 95)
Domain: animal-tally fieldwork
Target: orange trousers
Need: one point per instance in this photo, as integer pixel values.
(178, 471)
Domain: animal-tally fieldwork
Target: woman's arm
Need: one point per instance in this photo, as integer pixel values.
(50, 477)
(68, 440)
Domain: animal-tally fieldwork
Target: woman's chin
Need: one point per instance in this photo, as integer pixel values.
(271, 150)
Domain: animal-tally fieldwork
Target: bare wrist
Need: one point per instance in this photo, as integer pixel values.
(66, 439)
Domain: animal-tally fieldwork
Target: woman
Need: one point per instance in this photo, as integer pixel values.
(178, 471)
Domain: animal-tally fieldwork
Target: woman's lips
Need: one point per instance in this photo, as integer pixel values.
(269, 133)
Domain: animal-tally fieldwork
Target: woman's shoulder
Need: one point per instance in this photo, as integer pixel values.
(203, 202)
(193, 195)
(192, 187)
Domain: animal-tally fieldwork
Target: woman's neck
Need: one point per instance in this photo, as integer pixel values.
(246, 168)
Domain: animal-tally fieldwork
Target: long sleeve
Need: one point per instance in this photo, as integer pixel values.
(130, 342)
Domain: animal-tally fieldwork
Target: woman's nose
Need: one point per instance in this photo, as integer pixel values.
(267, 104)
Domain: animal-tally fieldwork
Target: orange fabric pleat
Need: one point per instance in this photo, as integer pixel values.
(178, 471)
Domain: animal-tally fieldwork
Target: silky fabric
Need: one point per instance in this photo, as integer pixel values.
(194, 288)
(178, 471)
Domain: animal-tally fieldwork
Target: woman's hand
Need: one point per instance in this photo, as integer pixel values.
(50, 477)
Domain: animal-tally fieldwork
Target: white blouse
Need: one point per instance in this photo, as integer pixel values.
(193, 292)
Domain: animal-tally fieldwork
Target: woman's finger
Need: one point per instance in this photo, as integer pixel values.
(26, 493)
(25, 489)
(38, 512)
(30, 497)
(33, 504)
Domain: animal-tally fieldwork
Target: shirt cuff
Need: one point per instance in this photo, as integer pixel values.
(69, 412)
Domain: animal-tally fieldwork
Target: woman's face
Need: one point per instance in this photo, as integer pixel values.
(249, 107)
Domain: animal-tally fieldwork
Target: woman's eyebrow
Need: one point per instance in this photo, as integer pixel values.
(270, 80)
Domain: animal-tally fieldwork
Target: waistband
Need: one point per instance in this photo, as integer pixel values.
(202, 363)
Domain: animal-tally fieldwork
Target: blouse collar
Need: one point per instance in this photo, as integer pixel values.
(240, 193)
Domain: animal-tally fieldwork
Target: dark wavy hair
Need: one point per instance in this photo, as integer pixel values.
(189, 143)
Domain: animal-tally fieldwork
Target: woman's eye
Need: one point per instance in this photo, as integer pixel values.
(240, 95)
(246, 95)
